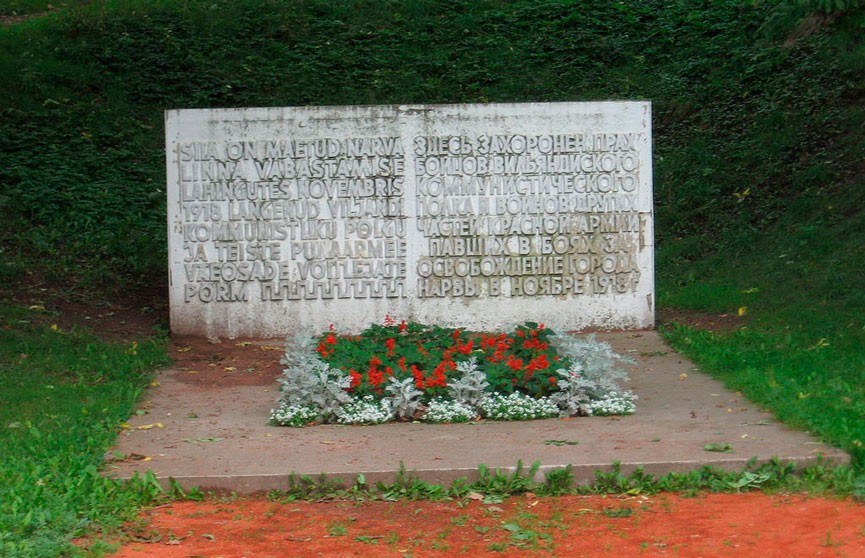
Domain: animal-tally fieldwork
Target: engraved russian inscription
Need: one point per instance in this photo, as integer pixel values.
(528, 215)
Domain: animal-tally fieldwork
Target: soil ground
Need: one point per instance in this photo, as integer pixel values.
(707, 525)
(728, 525)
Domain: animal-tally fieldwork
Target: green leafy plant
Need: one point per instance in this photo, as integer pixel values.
(623, 511)
(493, 486)
(430, 355)
(557, 482)
(498, 483)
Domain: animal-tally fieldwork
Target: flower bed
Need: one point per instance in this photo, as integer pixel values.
(410, 371)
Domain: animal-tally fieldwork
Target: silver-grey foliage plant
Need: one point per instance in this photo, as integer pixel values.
(572, 397)
(405, 397)
(470, 387)
(308, 381)
(594, 375)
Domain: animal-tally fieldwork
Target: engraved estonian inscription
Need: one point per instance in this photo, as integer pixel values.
(523, 215)
(300, 220)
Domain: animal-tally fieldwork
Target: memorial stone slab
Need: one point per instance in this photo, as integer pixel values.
(476, 216)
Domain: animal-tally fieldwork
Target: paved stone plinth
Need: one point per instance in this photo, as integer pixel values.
(229, 446)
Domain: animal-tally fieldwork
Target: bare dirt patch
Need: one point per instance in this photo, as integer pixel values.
(713, 525)
(235, 362)
(700, 320)
(120, 316)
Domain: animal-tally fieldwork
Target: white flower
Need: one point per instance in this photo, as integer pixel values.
(443, 410)
(517, 406)
(366, 410)
(293, 415)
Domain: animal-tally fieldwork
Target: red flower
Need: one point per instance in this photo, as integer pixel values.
(418, 376)
(515, 363)
(331, 339)
(356, 377)
(403, 326)
(375, 376)
(401, 363)
(552, 380)
(374, 361)
(504, 342)
(538, 363)
(388, 321)
(439, 378)
(465, 349)
(390, 344)
(535, 343)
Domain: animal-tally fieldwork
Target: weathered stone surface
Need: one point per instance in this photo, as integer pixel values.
(478, 216)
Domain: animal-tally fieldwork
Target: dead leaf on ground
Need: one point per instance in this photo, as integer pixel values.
(149, 426)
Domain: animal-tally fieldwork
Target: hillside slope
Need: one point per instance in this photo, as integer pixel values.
(759, 142)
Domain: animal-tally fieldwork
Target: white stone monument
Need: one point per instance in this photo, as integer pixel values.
(477, 216)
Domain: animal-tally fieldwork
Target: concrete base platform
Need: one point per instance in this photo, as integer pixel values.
(218, 438)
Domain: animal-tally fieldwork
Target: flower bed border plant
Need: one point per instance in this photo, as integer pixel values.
(410, 371)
